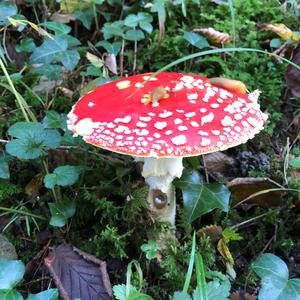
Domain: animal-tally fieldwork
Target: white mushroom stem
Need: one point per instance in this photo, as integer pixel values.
(159, 174)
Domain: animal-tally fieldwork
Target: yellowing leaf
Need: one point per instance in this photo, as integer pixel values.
(33, 187)
(94, 60)
(224, 251)
(231, 235)
(283, 32)
(41, 31)
(215, 36)
(69, 6)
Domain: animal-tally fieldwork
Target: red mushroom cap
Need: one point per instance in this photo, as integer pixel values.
(194, 117)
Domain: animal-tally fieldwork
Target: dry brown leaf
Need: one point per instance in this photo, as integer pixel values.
(242, 188)
(33, 187)
(238, 295)
(218, 162)
(283, 32)
(214, 36)
(62, 18)
(78, 274)
(66, 92)
(214, 232)
(292, 75)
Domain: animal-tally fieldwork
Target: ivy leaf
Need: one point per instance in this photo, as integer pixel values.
(295, 163)
(181, 296)
(51, 71)
(200, 198)
(7, 9)
(61, 212)
(55, 50)
(51, 294)
(10, 295)
(58, 28)
(4, 170)
(275, 282)
(26, 45)
(55, 120)
(86, 16)
(141, 19)
(196, 39)
(134, 35)
(113, 29)
(32, 140)
(11, 273)
(63, 176)
(111, 48)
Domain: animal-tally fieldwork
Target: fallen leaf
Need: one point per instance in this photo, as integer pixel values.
(242, 188)
(214, 36)
(62, 18)
(214, 232)
(78, 274)
(283, 32)
(66, 92)
(218, 162)
(292, 75)
(33, 187)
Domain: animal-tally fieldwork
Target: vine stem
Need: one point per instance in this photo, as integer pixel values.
(14, 90)
(12, 210)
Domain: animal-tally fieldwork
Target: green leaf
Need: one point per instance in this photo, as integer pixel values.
(11, 273)
(112, 48)
(134, 35)
(217, 290)
(7, 9)
(196, 39)
(295, 163)
(4, 170)
(63, 176)
(51, 71)
(58, 28)
(86, 16)
(10, 295)
(113, 29)
(92, 71)
(26, 45)
(146, 26)
(135, 20)
(200, 198)
(51, 294)
(150, 249)
(275, 282)
(61, 212)
(55, 120)
(32, 140)
(181, 296)
(120, 293)
(55, 50)
(275, 43)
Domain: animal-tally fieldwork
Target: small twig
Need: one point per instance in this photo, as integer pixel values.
(122, 58)
(134, 57)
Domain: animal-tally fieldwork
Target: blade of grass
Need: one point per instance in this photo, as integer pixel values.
(231, 7)
(216, 51)
(14, 91)
(188, 275)
(200, 274)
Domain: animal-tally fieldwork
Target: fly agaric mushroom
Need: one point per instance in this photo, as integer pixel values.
(169, 117)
